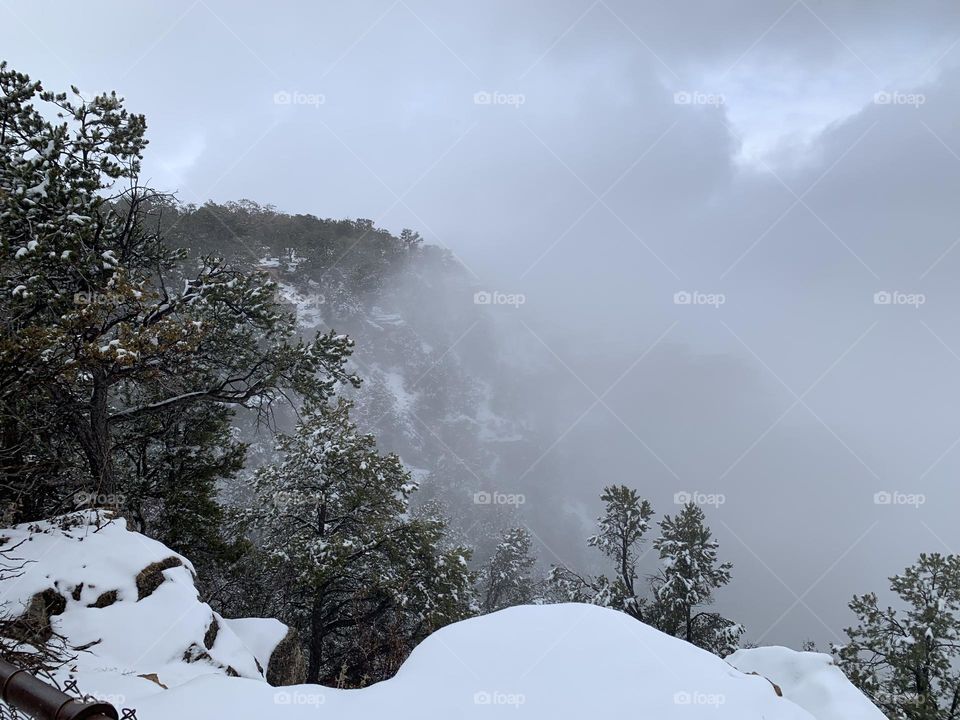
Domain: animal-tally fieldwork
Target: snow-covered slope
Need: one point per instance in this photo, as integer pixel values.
(543, 663)
(130, 610)
(810, 680)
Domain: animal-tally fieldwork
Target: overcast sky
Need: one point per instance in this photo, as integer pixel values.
(790, 160)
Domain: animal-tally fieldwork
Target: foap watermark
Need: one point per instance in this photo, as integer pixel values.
(296, 697)
(895, 497)
(498, 498)
(113, 698)
(698, 97)
(95, 499)
(895, 97)
(495, 297)
(286, 500)
(498, 697)
(897, 297)
(95, 298)
(495, 97)
(695, 297)
(696, 697)
(699, 498)
(295, 97)
(905, 698)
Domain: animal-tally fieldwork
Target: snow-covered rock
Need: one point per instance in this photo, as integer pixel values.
(810, 680)
(129, 608)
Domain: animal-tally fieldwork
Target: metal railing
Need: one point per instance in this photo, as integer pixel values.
(21, 690)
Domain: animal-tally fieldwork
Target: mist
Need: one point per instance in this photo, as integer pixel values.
(718, 242)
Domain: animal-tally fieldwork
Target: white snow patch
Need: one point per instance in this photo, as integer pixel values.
(810, 680)
(307, 306)
(259, 635)
(404, 400)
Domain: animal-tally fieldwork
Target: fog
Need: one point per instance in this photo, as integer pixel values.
(733, 226)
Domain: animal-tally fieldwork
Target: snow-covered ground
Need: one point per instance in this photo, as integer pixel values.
(810, 680)
(559, 661)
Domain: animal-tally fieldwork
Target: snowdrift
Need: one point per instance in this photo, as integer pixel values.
(144, 640)
(810, 680)
(543, 663)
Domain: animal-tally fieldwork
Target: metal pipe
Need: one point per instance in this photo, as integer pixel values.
(27, 693)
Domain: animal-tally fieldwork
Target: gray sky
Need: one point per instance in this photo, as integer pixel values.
(794, 157)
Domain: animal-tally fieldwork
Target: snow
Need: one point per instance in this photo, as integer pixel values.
(538, 662)
(810, 680)
(259, 635)
(307, 306)
(94, 555)
(532, 662)
(404, 399)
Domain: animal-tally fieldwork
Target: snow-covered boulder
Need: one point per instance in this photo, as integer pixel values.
(127, 608)
(810, 680)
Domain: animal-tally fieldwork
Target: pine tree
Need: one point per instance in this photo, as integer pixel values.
(906, 660)
(102, 326)
(689, 575)
(506, 579)
(362, 580)
(621, 530)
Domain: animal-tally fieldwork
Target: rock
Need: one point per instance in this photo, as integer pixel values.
(105, 599)
(151, 577)
(776, 688)
(287, 665)
(34, 625)
(210, 636)
(152, 677)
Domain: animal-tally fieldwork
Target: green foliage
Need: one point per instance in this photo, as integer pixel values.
(689, 574)
(625, 521)
(105, 331)
(506, 579)
(906, 660)
(363, 582)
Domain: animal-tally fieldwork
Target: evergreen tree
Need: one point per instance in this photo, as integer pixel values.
(506, 579)
(689, 575)
(621, 530)
(103, 327)
(906, 661)
(566, 585)
(363, 581)
(171, 488)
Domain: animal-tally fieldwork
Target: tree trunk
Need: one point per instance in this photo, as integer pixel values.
(94, 437)
(315, 657)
